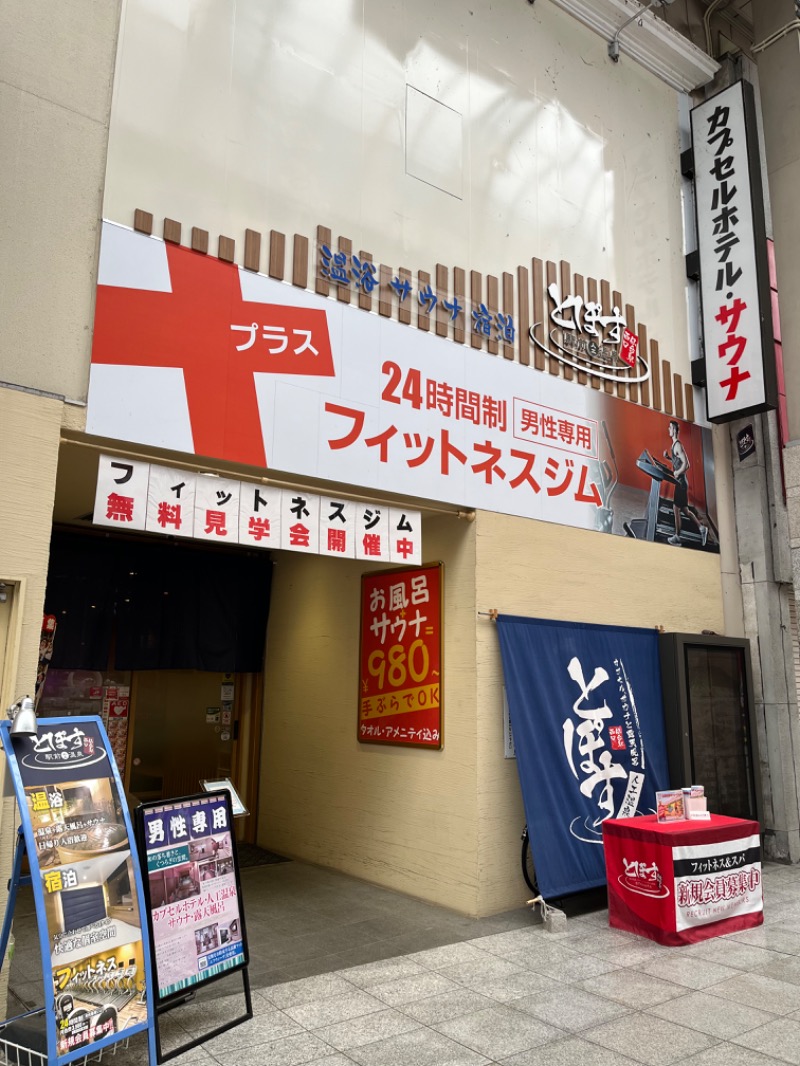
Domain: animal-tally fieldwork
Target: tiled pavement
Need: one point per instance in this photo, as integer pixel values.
(344, 973)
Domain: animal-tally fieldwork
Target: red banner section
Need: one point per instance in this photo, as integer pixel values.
(682, 882)
(401, 658)
(219, 340)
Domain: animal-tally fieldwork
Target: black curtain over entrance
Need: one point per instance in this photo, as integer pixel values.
(156, 605)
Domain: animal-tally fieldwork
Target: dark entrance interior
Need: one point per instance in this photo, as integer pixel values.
(164, 639)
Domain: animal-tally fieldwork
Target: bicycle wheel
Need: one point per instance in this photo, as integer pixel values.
(528, 871)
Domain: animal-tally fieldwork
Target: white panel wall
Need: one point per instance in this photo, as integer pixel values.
(267, 115)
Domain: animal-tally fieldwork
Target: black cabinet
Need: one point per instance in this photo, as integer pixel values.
(709, 717)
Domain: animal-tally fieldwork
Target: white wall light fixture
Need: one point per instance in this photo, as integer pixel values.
(23, 718)
(653, 43)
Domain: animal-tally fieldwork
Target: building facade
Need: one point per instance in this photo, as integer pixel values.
(503, 176)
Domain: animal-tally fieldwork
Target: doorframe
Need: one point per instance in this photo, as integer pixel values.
(16, 588)
(247, 748)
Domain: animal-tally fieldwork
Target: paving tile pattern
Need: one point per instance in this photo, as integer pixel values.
(346, 974)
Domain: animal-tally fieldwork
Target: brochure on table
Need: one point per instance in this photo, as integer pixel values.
(679, 804)
(87, 886)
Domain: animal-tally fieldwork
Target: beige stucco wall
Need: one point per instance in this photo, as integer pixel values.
(444, 826)
(542, 570)
(400, 817)
(56, 65)
(29, 434)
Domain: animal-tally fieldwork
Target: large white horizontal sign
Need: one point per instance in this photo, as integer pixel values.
(198, 356)
(740, 368)
(135, 495)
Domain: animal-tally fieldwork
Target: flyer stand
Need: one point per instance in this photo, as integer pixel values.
(76, 834)
(194, 903)
(14, 1029)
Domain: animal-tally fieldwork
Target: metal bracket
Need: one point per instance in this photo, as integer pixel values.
(613, 44)
(699, 372)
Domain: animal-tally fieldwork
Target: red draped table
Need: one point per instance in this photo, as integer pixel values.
(681, 882)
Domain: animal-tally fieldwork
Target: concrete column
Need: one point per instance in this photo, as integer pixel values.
(779, 85)
(778, 63)
(763, 540)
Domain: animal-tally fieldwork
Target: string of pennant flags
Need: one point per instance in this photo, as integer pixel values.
(135, 495)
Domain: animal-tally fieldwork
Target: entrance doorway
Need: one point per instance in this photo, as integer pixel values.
(177, 737)
(165, 641)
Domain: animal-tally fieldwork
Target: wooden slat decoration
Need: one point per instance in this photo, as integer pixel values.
(442, 314)
(630, 322)
(565, 284)
(475, 290)
(550, 276)
(677, 388)
(605, 300)
(460, 294)
(508, 310)
(172, 231)
(622, 386)
(143, 221)
(523, 297)
(365, 298)
(385, 291)
(688, 393)
(277, 255)
(493, 305)
(200, 240)
(524, 316)
(321, 284)
(666, 386)
(300, 261)
(343, 291)
(404, 308)
(644, 352)
(577, 289)
(591, 296)
(252, 249)
(655, 376)
(539, 304)
(423, 318)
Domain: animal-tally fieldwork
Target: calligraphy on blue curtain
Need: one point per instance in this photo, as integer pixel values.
(588, 726)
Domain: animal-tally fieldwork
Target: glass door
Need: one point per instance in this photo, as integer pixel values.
(722, 748)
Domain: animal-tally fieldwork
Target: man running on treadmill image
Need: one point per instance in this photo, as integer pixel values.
(680, 499)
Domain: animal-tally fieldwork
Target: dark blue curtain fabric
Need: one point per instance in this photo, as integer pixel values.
(156, 605)
(588, 726)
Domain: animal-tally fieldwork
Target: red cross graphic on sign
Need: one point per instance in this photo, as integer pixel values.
(193, 328)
